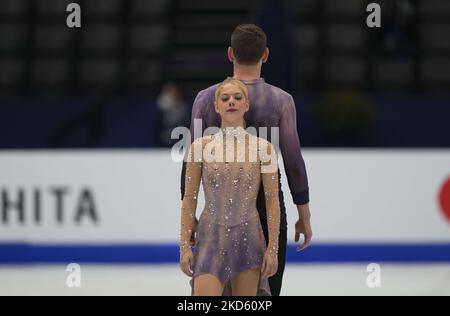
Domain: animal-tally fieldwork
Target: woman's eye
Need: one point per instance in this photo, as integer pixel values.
(238, 96)
(225, 98)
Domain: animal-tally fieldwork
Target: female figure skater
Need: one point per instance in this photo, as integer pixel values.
(230, 255)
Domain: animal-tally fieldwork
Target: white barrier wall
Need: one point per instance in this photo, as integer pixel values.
(357, 196)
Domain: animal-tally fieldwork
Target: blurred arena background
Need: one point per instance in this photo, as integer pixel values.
(86, 174)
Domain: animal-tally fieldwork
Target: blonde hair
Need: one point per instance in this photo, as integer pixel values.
(235, 82)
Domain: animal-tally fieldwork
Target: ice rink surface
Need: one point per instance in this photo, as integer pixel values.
(167, 280)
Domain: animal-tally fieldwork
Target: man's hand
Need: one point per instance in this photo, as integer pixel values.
(194, 233)
(303, 226)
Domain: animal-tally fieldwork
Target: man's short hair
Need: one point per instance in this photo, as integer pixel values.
(248, 42)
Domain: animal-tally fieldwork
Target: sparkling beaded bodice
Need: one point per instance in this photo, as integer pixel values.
(231, 165)
(231, 188)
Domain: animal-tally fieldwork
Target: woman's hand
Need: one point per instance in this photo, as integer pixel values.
(269, 266)
(187, 263)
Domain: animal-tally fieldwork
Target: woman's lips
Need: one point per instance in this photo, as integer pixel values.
(231, 110)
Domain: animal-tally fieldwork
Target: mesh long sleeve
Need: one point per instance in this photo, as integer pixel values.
(189, 204)
(269, 175)
(292, 156)
(197, 114)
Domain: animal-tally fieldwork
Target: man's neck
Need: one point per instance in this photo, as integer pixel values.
(247, 73)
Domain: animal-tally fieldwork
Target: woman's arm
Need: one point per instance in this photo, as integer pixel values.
(269, 174)
(189, 204)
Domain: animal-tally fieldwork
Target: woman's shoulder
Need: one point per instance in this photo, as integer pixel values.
(202, 141)
(262, 142)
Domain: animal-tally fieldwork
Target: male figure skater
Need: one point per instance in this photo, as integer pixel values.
(269, 107)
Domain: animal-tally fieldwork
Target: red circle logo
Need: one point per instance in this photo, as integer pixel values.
(444, 199)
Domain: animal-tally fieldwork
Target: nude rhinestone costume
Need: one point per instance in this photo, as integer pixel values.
(230, 239)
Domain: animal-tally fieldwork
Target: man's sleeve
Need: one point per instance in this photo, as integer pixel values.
(292, 157)
(197, 113)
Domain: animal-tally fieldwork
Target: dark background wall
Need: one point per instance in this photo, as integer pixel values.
(98, 86)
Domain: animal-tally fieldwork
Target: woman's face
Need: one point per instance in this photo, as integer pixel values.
(232, 104)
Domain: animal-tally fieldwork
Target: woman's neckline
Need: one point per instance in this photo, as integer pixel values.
(233, 131)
